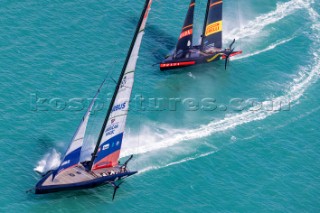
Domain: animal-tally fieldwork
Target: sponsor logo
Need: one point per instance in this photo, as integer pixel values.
(119, 107)
(110, 129)
(213, 28)
(106, 146)
(118, 142)
(65, 162)
(113, 120)
(185, 33)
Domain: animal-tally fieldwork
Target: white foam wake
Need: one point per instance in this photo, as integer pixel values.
(174, 137)
(282, 10)
(176, 162)
(50, 161)
(271, 47)
(158, 138)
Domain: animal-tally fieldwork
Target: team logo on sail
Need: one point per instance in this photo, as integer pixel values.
(215, 27)
(119, 107)
(106, 146)
(185, 33)
(110, 129)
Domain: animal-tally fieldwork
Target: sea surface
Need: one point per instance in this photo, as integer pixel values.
(204, 139)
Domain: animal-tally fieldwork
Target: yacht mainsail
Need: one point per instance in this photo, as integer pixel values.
(212, 30)
(108, 147)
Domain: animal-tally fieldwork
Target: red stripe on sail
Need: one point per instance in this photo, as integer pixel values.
(213, 4)
(187, 26)
(185, 33)
(107, 162)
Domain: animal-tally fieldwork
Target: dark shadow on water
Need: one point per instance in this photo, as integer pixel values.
(159, 41)
(44, 143)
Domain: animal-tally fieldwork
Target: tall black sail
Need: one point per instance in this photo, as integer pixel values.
(212, 30)
(185, 39)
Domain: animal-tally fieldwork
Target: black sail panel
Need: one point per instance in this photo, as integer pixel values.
(185, 39)
(212, 31)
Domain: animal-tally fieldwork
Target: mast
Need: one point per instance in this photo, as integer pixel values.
(205, 24)
(94, 154)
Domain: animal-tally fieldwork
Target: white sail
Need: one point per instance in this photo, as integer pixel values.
(72, 156)
(110, 143)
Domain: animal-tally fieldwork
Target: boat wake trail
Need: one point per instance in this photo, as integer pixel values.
(159, 138)
(271, 47)
(49, 162)
(176, 162)
(254, 27)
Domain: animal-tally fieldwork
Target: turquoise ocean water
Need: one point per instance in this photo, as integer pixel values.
(247, 155)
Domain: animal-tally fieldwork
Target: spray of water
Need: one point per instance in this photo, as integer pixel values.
(254, 27)
(50, 161)
(270, 47)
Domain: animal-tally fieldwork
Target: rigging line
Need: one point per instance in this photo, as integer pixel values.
(87, 113)
(106, 77)
(205, 24)
(94, 118)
